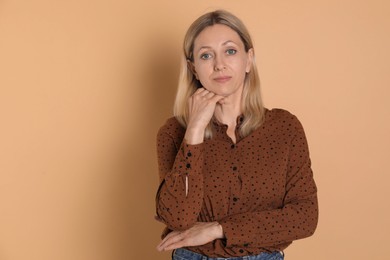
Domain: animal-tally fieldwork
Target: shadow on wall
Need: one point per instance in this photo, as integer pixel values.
(135, 231)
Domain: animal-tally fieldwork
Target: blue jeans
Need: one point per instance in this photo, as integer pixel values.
(184, 254)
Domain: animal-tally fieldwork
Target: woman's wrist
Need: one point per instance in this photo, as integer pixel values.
(194, 135)
(219, 231)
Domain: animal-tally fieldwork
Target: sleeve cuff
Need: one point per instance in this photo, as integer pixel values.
(190, 157)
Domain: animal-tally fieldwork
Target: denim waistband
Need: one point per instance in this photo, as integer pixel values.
(184, 254)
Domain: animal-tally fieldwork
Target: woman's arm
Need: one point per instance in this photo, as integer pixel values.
(199, 234)
(179, 197)
(296, 219)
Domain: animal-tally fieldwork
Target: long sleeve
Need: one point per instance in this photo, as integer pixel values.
(295, 219)
(259, 188)
(180, 194)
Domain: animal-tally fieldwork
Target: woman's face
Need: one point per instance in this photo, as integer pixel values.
(220, 60)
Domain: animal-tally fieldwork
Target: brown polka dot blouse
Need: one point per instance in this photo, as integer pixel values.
(260, 189)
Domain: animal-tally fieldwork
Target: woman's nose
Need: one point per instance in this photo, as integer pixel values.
(219, 63)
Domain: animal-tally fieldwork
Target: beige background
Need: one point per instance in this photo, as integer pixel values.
(84, 86)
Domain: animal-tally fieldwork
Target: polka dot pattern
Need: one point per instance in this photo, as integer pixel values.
(260, 189)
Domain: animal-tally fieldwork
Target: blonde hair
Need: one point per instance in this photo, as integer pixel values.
(252, 105)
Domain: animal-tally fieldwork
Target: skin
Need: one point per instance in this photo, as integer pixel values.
(220, 64)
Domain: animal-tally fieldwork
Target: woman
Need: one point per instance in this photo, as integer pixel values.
(235, 177)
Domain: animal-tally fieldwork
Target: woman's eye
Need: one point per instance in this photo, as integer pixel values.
(205, 56)
(231, 51)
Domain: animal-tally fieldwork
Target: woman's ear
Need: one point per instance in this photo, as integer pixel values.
(191, 67)
(251, 56)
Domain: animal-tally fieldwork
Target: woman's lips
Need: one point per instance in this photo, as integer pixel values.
(222, 79)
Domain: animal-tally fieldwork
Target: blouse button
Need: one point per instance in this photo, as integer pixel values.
(188, 165)
(189, 154)
(241, 251)
(233, 146)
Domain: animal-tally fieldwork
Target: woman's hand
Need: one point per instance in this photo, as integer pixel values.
(201, 233)
(201, 107)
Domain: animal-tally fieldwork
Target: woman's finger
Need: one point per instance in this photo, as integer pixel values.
(172, 234)
(217, 98)
(179, 244)
(199, 91)
(208, 94)
(204, 92)
(170, 240)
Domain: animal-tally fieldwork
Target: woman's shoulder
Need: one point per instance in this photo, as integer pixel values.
(282, 117)
(172, 127)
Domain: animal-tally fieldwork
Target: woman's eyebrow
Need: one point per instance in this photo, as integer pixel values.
(203, 47)
(229, 41)
(209, 47)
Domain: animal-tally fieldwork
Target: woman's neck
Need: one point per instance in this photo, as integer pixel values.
(227, 112)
